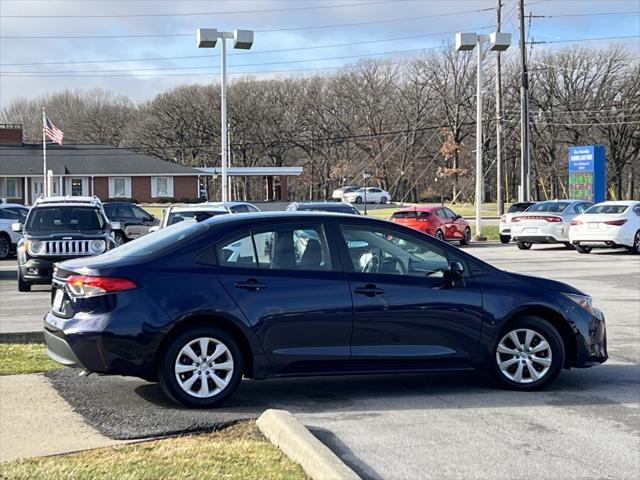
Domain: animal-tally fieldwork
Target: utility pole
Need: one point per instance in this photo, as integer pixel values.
(524, 194)
(499, 161)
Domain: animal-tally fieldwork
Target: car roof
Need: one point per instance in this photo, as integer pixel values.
(420, 208)
(12, 205)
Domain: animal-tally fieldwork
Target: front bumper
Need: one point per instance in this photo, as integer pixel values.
(37, 270)
(592, 345)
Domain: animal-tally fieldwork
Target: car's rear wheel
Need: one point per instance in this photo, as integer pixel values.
(636, 243)
(466, 238)
(383, 199)
(524, 245)
(529, 354)
(568, 245)
(439, 235)
(22, 285)
(118, 238)
(5, 246)
(358, 199)
(505, 238)
(201, 367)
(583, 249)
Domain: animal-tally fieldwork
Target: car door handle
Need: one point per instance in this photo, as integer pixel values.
(369, 290)
(252, 285)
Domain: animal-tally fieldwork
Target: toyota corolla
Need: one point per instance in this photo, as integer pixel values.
(198, 306)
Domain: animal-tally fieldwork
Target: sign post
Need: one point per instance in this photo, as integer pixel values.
(587, 173)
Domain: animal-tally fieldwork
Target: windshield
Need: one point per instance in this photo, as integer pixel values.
(610, 209)
(65, 218)
(158, 241)
(193, 216)
(554, 207)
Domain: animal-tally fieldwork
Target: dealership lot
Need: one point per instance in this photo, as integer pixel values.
(422, 426)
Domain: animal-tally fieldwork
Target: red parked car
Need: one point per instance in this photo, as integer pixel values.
(441, 222)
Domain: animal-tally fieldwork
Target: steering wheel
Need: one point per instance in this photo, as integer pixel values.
(398, 264)
(373, 265)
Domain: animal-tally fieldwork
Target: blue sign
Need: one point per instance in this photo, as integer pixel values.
(587, 173)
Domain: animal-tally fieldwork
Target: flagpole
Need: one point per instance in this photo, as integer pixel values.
(45, 193)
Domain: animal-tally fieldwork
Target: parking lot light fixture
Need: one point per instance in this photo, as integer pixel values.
(242, 39)
(465, 42)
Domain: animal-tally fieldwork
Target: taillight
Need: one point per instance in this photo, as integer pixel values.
(553, 219)
(503, 219)
(576, 222)
(90, 286)
(615, 223)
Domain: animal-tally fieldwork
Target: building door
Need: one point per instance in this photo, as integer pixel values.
(77, 186)
(37, 189)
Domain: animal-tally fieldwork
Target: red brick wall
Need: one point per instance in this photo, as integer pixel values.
(186, 187)
(141, 189)
(10, 135)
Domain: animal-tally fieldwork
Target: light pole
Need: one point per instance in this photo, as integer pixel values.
(365, 176)
(243, 39)
(465, 42)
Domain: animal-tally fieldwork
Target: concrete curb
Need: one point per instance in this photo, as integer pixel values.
(22, 337)
(293, 438)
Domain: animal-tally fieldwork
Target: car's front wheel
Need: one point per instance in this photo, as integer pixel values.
(118, 238)
(466, 238)
(636, 243)
(383, 200)
(439, 235)
(524, 245)
(358, 199)
(23, 286)
(201, 367)
(5, 246)
(529, 355)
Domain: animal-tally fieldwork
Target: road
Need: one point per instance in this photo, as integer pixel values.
(586, 425)
(20, 312)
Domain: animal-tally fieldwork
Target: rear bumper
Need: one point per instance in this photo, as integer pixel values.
(59, 350)
(537, 239)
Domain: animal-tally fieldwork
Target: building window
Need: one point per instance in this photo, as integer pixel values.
(10, 188)
(120, 187)
(76, 187)
(161, 187)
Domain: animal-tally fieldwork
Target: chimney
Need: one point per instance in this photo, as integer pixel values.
(10, 134)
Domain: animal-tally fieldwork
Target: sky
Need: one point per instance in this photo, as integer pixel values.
(49, 45)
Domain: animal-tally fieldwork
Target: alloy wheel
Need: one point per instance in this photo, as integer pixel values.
(524, 356)
(636, 242)
(204, 367)
(439, 235)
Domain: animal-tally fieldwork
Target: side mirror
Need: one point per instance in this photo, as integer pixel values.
(458, 216)
(17, 227)
(154, 228)
(115, 225)
(455, 275)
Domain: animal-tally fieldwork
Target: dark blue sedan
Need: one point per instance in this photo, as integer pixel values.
(197, 306)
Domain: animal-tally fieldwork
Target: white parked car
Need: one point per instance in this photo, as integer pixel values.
(201, 211)
(10, 213)
(368, 195)
(607, 225)
(505, 220)
(338, 193)
(546, 222)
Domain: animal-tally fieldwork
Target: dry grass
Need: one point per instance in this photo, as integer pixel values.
(237, 452)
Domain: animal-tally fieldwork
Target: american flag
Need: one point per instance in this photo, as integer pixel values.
(52, 132)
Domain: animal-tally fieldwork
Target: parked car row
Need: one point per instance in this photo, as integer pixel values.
(575, 223)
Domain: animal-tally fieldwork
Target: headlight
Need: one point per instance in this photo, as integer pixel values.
(35, 247)
(583, 301)
(97, 246)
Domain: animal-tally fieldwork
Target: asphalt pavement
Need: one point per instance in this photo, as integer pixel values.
(586, 425)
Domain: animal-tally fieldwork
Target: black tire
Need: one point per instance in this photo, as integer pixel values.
(439, 235)
(524, 245)
(383, 200)
(466, 239)
(5, 246)
(118, 238)
(22, 285)
(505, 239)
(636, 244)
(582, 249)
(168, 357)
(553, 339)
(358, 199)
(568, 246)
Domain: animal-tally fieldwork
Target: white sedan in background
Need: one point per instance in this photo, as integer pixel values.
(371, 195)
(546, 222)
(607, 225)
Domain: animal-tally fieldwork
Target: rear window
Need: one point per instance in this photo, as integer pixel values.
(610, 209)
(518, 207)
(412, 214)
(329, 208)
(554, 207)
(194, 216)
(61, 219)
(158, 241)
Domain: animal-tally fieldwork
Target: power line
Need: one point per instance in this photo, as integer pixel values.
(601, 14)
(195, 14)
(208, 57)
(583, 39)
(285, 29)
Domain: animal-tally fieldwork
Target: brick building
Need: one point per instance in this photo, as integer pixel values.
(100, 170)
